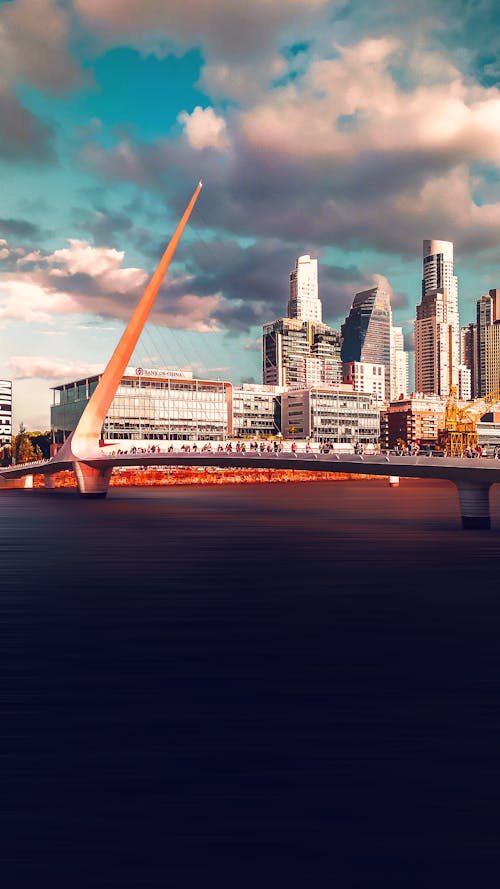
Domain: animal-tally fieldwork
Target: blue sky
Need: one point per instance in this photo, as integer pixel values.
(351, 130)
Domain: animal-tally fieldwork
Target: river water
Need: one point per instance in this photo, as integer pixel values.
(243, 685)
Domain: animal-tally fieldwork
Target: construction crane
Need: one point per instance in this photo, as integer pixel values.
(460, 422)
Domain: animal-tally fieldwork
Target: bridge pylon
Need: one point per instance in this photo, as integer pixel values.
(474, 499)
(82, 446)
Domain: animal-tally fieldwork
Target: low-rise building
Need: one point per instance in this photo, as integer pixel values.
(256, 410)
(413, 420)
(337, 414)
(150, 404)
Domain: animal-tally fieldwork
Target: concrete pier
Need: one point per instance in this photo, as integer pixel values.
(92, 482)
(474, 505)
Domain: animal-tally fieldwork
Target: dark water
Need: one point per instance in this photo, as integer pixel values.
(249, 686)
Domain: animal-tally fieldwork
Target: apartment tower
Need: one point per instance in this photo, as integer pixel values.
(437, 323)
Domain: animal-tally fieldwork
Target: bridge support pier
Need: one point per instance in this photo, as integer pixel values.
(474, 505)
(26, 481)
(92, 482)
(49, 481)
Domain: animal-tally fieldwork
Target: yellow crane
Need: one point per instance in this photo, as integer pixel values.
(460, 423)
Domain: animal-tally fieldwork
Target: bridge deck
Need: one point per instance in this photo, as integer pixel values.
(482, 471)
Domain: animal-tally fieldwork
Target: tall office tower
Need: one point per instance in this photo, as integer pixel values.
(464, 383)
(366, 331)
(304, 302)
(488, 320)
(399, 365)
(5, 412)
(437, 324)
(300, 350)
(468, 355)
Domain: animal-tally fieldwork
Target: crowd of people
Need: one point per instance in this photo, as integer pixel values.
(279, 446)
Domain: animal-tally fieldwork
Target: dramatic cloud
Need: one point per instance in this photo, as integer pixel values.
(22, 135)
(33, 44)
(343, 153)
(85, 279)
(224, 28)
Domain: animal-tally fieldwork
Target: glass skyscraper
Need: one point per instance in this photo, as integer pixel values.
(366, 331)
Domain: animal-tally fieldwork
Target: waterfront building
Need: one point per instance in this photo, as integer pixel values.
(488, 338)
(469, 354)
(414, 420)
(368, 378)
(399, 365)
(304, 302)
(256, 411)
(301, 350)
(437, 322)
(5, 412)
(366, 331)
(336, 414)
(150, 404)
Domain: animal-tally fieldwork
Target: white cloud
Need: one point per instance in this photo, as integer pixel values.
(25, 367)
(29, 302)
(205, 129)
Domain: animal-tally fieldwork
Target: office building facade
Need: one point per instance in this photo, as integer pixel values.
(399, 365)
(149, 405)
(366, 332)
(335, 414)
(5, 412)
(301, 350)
(256, 411)
(469, 355)
(488, 331)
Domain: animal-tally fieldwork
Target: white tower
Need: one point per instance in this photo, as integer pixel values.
(437, 328)
(304, 302)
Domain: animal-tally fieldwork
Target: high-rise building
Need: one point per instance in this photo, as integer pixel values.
(468, 355)
(399, 365)
(437, 323)
(464, 383)
(304, 302)
(5, 412)
(300, 350)
(366, 331)
(488, 331)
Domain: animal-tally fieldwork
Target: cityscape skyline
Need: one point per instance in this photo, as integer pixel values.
(328, 149)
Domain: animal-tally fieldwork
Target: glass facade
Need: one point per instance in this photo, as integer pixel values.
(336, 415)
(160, 408)
(366, 331)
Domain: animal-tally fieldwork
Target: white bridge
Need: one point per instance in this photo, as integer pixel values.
(92, 467)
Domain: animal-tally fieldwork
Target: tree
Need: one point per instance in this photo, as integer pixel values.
(22, 448)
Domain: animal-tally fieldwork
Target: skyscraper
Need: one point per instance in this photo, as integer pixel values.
(366, 331)
(437, 323)
(300, 350)
(469, 355)
(304, 302)
(399, 365)
(488, 332)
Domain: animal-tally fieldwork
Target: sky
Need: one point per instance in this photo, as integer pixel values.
(348, 130)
